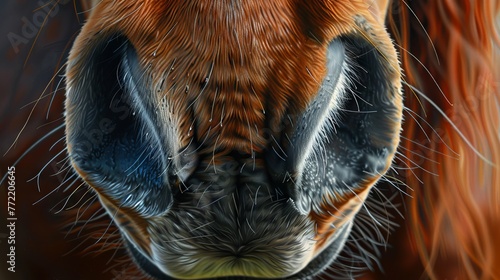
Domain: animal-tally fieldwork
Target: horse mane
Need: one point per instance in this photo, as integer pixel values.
(450, 53)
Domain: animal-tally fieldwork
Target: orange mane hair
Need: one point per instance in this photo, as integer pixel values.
(450, 52)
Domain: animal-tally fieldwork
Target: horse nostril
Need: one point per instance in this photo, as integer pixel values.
(112, 138)
(353, 139)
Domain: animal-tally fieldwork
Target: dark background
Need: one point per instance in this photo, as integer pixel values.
(44, 250)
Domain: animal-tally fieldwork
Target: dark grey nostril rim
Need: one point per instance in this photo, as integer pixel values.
(113, 138)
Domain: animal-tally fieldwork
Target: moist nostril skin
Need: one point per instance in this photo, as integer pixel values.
(113, 143)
